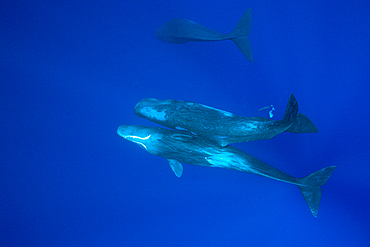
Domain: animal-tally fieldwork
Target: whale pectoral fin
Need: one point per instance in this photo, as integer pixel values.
(176, 167)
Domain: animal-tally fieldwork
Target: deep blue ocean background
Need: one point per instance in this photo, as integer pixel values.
(72, 71)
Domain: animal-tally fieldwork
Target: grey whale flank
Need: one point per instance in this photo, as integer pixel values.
(179, 31)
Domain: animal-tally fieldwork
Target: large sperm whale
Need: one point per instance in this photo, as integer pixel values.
(183, 147)
(221, 126)
(179, 31)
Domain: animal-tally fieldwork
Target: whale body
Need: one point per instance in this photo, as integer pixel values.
(182, 147)
(179, 31)
(221, 126)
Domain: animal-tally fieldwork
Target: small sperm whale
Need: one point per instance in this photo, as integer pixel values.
(179, 31)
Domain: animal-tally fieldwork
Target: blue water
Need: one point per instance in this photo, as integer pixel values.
(72, 71)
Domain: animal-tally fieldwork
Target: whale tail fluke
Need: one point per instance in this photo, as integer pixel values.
(302, 124)
(311, 190)
(291, 111)
(241, 32)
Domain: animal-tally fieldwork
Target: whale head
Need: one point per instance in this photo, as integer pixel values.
(153, 109)
(136, 134)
